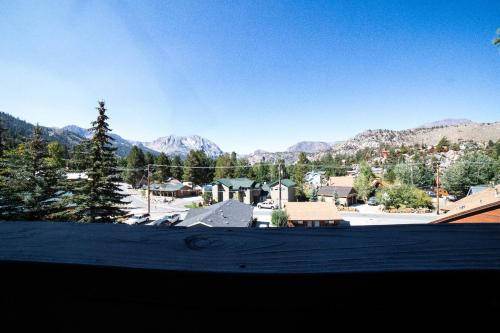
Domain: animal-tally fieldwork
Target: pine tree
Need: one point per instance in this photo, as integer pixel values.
(79, 160)
(176, 167)
(149, 158)
(224, 164)
(56, 155)
(3, 131)
(136, 166)
(98, 198)
(299, 173)
(275, 169)
(364, 182)
(35, 183)
(197, 168)
(262, 172)
(162, 170)
(243, 169)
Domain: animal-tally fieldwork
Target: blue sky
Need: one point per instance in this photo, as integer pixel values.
(250, 74)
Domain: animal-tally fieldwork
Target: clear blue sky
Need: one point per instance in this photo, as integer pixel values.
(250, 74)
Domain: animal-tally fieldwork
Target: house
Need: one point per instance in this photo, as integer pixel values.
(346, 195)
(341, 181)
(265, 192)
(315, 178)
(230, 213)
(287, 190)
(480, 207)
(312, 214)
(243, 189)
(476, 189)
(172, 190)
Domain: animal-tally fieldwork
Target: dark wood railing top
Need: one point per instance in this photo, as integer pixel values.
(246, 250)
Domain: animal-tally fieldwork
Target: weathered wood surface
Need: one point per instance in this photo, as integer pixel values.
(324, 250)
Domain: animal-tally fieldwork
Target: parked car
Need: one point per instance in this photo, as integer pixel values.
(452, 197)
(432, 194)
(372, 201)
(137, 219)
(267, 204)
(165, 220)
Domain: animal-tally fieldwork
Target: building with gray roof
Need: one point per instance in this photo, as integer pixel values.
(346, 195)
(230, 213)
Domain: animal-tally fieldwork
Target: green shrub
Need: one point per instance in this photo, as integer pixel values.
(403, 196)
(279, 218)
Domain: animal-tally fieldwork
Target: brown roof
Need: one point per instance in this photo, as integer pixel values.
(489, 198)
(312, 211)
(342, 191)
(341, 181)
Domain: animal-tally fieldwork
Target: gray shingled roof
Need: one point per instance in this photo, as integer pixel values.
(230, 213)
(342, 191)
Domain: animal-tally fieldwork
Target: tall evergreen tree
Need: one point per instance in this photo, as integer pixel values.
(224, 166)
(299, 172)
(243, 169)
(162, 170)
(11, 203)
(275, 168)
(56, 155)
(364, 181)
(34, 183)
(98, 199)
(198, 168)
(79, 158)
(262, 172)
(3, 131)
(176, 167)
(136, 166)
(149, 158)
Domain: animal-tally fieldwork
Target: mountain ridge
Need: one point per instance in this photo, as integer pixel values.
(456, 130)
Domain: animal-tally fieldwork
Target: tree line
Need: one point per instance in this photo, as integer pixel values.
(34, 183)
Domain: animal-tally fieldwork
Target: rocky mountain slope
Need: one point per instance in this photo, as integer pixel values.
(465, 130)
(478, 132)
(181, 145)
(309, 146)
(170, 145)
(456, 130)
(123, 145)
(18, 131)
(446, 122)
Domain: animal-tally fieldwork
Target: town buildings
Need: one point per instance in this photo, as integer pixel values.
(312, 214)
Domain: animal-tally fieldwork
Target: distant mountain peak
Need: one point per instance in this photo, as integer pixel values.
(309, 146)
(181, 145)
(446, 122)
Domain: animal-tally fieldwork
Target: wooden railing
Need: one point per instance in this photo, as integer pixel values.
(404, 266)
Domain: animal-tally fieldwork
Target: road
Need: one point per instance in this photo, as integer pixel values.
(139, 205)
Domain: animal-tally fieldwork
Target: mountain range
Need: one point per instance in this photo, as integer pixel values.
(170, 145)
(430, 133)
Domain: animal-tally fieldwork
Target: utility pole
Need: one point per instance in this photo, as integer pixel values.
(149, 189)
(411, 170)
(279, 183)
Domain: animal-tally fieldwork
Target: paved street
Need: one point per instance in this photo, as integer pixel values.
(138, 204)
(367, 215)
(370, 216)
